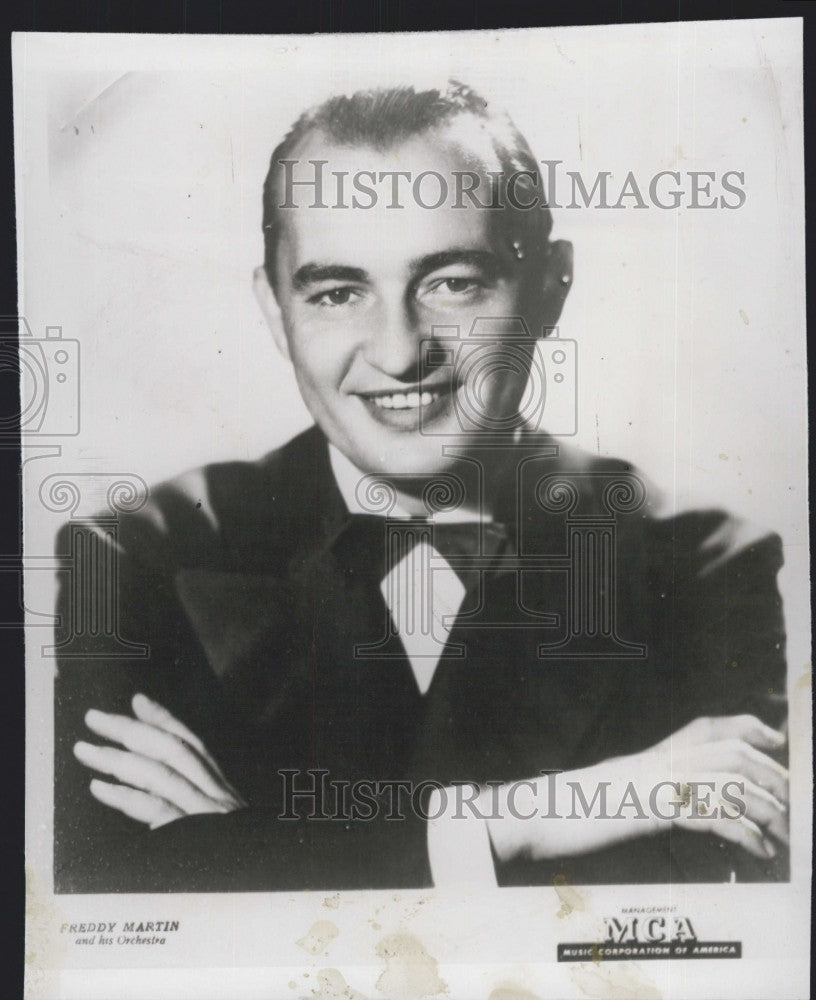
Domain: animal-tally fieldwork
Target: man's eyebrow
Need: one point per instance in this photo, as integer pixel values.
(483, 259)
(314, 272)
(310, 274)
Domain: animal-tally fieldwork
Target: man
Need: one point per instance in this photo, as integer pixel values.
(421, 593)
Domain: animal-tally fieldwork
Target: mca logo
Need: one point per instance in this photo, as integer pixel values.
(648, 930)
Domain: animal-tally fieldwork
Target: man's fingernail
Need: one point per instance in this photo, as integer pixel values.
(83, 748)
(93, 715)
(770, 850)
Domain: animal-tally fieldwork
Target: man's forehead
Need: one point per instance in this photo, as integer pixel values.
(462, 144)
(345, 223)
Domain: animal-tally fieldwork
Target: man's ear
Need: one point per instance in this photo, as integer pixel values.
(270, 309)
(557, 279)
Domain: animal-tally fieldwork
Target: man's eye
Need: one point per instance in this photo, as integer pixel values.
(334, 297)
(458, 285)
(454, 286)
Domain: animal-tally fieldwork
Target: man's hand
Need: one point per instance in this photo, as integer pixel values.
(165, 771)
(672, 783)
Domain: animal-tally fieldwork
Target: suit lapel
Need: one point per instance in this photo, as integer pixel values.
(230, 612)
(279, 627)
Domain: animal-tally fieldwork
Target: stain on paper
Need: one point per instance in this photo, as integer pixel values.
(410, 973)
(569, 896)
(332, 986)
(45, 947)
(319, 937)
(509, 991)
(621, 981)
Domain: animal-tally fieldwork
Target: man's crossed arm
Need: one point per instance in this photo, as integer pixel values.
(163, 772)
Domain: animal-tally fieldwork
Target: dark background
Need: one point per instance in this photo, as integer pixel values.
(243, 17)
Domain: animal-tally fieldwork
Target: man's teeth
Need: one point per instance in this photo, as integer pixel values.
(405, 400)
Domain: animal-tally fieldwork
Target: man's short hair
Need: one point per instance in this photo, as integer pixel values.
(382, 118)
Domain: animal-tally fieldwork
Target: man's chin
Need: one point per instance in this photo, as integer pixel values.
(410, 455)
(413, 466)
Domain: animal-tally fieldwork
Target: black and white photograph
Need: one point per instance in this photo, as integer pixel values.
(415, 513)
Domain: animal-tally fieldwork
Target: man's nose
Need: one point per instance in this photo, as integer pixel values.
(393, 345)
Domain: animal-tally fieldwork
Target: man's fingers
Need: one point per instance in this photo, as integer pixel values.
(741, 831)
(710, 729)
(744, 727)
(744, 759)
(157, 715)
(754, 731)
(760, 810)
(154, 714)
(141, 806)
(148, 741)
(748, 835)
(716, 797)
(767, 812)
(148, 775)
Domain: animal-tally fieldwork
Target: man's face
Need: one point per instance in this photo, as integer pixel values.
(359, 290)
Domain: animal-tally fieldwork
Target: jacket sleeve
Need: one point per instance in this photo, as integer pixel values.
(111, 642)
(728, 614)
(731, 612)
(255, 850)
(142, 641)
(706, 596)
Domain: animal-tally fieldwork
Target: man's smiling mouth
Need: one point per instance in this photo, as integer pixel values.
(404, 400)
(407, 410)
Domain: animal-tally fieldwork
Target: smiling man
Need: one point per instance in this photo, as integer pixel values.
(351, 292)
(419, 594)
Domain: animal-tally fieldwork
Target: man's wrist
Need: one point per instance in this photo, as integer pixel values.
(458, 842)
(504, 810)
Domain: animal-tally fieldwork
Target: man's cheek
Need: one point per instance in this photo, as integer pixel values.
(307, 383)
(319, 383)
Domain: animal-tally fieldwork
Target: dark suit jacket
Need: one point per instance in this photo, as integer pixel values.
(250, 589)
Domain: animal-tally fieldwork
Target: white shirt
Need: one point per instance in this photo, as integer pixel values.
(423, 616)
